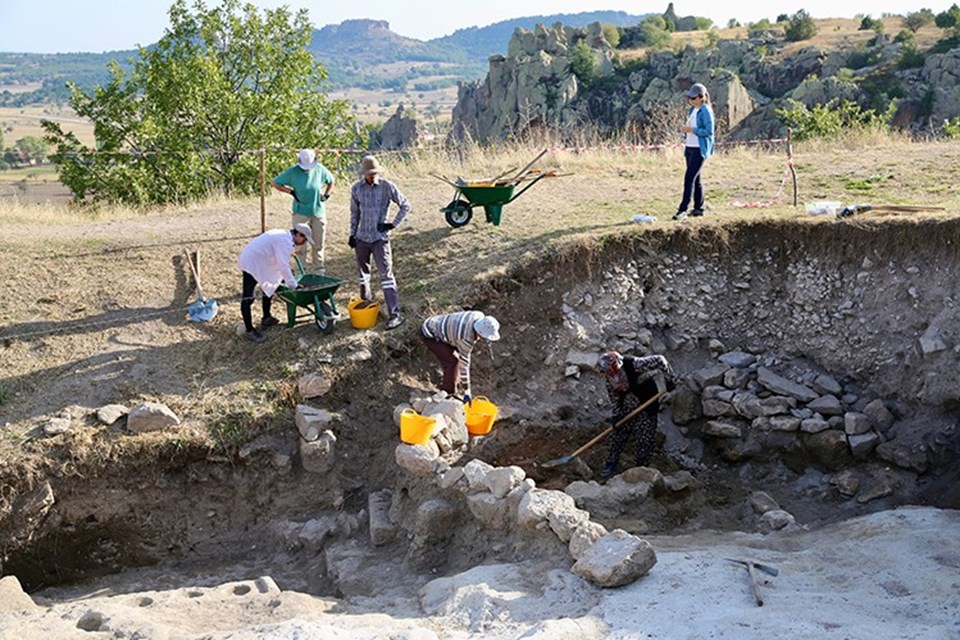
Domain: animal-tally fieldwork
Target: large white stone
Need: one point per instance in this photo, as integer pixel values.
(319, 456)
(616, 559)
(537, 505)
(313, 385)
(151, 416)
(501, 480)
(311, 421)
(584, 537)
(418, 460)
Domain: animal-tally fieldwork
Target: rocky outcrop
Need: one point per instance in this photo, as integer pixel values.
(401, 131)
(532, 86)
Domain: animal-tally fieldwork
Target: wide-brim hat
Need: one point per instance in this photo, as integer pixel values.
(304, 229)
(369, 166)
(307, 159)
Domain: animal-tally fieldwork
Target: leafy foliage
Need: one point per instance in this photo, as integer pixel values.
(868, 23)
(583, 63)
(800, 27)
(758, 28)
(828, 121)
(219, 83)
(949, 20)
(611, 33)
(918, 19)
(951, 128)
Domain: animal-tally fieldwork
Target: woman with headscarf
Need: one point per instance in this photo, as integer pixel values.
(631, 381)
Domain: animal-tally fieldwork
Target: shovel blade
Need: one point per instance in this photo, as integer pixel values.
(202, 310)
(550, 464)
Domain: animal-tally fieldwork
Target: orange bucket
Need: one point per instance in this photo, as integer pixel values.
(363, 318)
(480, 415)
(415, 428)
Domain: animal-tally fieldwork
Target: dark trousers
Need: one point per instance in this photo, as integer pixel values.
(644, 429)
(691, 179)
(383, 256)
(449, 360)
(246, 301)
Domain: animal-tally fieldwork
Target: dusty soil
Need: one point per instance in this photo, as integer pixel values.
(96, 314)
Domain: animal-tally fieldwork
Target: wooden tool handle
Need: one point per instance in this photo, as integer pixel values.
(196, 276)
(619, 423)
(753, 583)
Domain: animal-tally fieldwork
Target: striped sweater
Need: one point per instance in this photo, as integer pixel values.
(455, 329)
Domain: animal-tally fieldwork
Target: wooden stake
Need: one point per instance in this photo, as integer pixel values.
(263, 192)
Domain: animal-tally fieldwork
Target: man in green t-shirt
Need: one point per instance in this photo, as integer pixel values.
(309, 182)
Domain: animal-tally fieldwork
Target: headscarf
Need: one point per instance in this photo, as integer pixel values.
(610, 364)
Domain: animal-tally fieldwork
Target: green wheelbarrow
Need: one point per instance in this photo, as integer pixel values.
(314, 294)
(490, 194)
(492, 198)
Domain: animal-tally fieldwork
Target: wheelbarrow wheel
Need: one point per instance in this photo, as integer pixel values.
(458, 213)
(324, 319)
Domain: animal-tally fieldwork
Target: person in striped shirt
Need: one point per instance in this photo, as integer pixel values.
(451, 338)
(370, 200)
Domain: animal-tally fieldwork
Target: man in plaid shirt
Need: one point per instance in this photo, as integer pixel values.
(370, 200)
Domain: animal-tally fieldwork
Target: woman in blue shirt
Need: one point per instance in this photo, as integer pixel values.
(699, 146)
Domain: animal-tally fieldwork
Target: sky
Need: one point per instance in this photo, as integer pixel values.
(59, 26)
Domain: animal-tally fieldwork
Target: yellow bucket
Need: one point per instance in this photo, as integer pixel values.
(415, 428)
(363, 318)
(480, 415)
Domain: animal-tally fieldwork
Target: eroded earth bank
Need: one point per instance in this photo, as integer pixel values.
(815, 430)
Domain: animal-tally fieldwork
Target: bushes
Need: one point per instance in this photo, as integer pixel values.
(829, 121)
(583, 63)
(800, 27)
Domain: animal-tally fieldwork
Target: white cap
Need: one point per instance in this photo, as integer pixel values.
(307, 159)
(304, 228)
(487, 328)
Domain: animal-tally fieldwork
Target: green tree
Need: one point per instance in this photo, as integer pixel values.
(800, 27)
(654, 33)
(918, 19)
(583, 63)
(868, 23)
(611, 33)
(32, 149)
(733, 23)
(949, 20)
(220, 83)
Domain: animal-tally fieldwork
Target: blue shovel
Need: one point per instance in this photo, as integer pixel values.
(201, 309)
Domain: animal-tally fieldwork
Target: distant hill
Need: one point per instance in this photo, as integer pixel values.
(356, 53)
(481, 42)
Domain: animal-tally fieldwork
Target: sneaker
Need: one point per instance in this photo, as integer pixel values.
(697, 212)
(680, 215)
(254, 335)
(395, 322)
(268, 322)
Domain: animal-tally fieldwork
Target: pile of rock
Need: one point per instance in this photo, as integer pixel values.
(433, 499)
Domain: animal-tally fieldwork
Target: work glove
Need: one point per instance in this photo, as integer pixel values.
(352, 242)
(324, 197)
(384, 227)
(467, 398)
(615, 419)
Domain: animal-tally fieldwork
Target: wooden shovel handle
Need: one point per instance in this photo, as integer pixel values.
(619, 423)
(196, 276)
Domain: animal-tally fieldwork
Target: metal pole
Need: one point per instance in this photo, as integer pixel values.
(263, 193)
(793, 170)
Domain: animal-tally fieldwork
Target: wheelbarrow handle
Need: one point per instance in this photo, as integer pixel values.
(532, 182)
(619, 424)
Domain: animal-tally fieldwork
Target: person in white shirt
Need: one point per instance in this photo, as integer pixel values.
(698, 134)
(266, 261)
